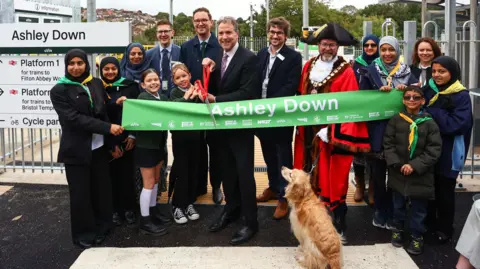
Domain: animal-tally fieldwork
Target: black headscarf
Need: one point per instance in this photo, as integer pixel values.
(453, 68)
(82, 55)
(110, 60)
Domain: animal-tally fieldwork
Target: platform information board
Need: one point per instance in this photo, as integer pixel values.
(25, 91)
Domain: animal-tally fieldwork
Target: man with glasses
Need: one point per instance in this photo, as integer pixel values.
(203, 45)
(327, 150)
(280, 68)
(163, 54)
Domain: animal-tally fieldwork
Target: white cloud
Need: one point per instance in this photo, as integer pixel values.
(218, 8)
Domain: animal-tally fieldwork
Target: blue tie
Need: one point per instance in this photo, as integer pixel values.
(165, 65)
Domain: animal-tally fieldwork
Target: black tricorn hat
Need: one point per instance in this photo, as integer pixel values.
(333, 31)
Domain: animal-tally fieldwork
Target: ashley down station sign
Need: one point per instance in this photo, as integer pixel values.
(31, 63)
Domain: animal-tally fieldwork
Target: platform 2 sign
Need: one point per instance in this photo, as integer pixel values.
(25, 91)
(49, 38)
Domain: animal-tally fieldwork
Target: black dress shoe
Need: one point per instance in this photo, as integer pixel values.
(82, 244)
(217, 196)
(149, 227)
(117, 220)
(99, 239)
(159, 217)
(131, 219)
(221, 222)
(243, 235)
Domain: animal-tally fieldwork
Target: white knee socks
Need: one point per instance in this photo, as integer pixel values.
(153, 200)
(145, 197)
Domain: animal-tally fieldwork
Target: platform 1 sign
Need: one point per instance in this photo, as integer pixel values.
(49, 38)
(25, 91)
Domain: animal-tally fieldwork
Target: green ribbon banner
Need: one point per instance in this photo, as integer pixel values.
(313, 109)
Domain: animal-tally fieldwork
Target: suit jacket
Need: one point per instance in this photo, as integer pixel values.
(79, 121)
(155, 56)
(191, 55)
(239, 81)
(284, 80)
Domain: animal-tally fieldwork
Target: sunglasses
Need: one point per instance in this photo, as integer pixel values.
(370, 45)
(414, 97)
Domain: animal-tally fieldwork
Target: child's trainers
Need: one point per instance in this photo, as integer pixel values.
(192, 214)
(397, 239)
(416, 246)
(179, 216)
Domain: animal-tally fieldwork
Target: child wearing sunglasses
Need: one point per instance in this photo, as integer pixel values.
(412, 145)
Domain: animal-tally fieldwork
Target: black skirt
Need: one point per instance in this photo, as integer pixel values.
(146, 158)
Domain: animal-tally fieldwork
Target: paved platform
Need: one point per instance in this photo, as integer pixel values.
(35, 233)
(355, 257)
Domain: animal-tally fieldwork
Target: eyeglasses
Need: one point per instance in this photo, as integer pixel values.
(328, 45)
(279, 33)
(204, 21)
(414, 97)
(370, 45)
(164, 32)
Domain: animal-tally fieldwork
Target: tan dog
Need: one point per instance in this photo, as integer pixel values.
(320, 244)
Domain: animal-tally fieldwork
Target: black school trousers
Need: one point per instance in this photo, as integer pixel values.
(90, 197)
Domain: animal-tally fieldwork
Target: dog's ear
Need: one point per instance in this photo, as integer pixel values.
(287, 173)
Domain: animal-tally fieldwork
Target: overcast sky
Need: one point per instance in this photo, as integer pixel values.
(235, 8)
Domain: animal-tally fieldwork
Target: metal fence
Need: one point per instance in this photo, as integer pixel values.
(36, 149)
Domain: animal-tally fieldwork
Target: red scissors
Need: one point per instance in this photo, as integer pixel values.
(204, 91)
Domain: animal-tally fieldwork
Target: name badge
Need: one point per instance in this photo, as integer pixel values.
(165, 85)
(281, 57)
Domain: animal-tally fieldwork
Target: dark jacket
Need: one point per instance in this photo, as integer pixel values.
(155, 56)
(371, 80)
(357, 69)
(239, 81)
(453, 115)
(151, 139)
(419, 184)
(79, 121)
(191, 55)
(177, 96)
(417, 72)
(283, 81)
(131, 91)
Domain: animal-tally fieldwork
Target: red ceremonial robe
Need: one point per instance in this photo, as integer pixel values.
(330, 175)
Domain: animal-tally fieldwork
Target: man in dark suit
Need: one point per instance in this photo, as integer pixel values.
(234, 79)
(279, 70)
(163, 54)
(203, 45)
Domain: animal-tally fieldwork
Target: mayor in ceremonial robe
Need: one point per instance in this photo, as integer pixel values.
(327, 150)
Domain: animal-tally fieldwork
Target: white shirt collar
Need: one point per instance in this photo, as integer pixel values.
(232, 51)
(199, 40)
(169, 48)
(276, 53)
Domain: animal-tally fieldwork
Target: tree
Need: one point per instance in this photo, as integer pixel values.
(349, 9)
(162, 16)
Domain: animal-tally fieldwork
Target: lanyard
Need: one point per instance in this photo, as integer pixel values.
(161, 59)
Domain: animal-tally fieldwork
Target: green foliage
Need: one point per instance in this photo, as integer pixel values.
(320, 12)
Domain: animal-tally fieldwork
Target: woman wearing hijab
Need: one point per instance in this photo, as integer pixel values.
(134, 62)
(385, 73)
(79, 100)
(370, 53)
(448, 101)
(122, 167)
(426, 49)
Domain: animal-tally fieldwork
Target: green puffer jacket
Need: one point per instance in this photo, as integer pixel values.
(419, 184)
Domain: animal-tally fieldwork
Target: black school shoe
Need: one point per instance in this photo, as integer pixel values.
(416, 246)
